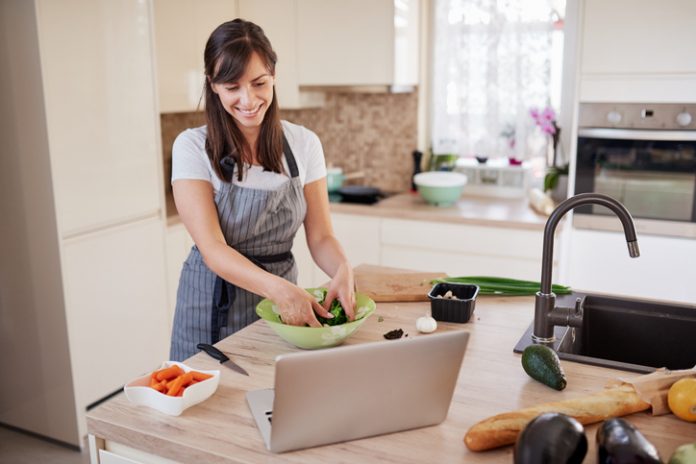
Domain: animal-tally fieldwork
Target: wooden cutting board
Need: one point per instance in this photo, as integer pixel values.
(393, 284)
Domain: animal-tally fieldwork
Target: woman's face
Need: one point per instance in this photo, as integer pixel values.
(248, 99)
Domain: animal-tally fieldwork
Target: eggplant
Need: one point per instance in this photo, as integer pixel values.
(619, 442)
(551, 438)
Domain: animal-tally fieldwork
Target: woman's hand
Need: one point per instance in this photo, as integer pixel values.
(342, 287)
(297, 306)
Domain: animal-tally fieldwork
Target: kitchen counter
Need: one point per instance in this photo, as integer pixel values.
(485, 211)
(491, 381)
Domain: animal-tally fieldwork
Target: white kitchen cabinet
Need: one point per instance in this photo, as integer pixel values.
(116, 306)
(82, 277)
(638, 50)
(462, 249)
(357, 234)
(278, 19)
(345, 43)
(599, 262)
(179, 244)
(306, 268)
(359, 237)
(101, 155)
(182, 28)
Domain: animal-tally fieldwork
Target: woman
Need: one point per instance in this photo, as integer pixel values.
(243, 184)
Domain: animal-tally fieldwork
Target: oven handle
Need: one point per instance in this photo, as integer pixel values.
(637, 134)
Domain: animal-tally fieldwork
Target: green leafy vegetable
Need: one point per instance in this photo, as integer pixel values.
(337, 310)
(502, 286)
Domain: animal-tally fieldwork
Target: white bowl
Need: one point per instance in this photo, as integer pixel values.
(138, 391)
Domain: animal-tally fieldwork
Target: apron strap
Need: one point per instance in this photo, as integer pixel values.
(290, 158)
(228, 163)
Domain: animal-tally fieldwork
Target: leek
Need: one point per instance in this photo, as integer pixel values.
(502, 286)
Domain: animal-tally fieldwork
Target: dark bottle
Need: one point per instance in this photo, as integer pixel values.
(417, 157)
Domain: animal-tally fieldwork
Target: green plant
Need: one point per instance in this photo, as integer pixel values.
(552, 175)
(502, 286)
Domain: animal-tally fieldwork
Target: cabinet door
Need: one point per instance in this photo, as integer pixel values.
(462, 249)
(307, 271)
(182, 28)
(179, 244)
(278, 19)
(345, 42)
(639, 36)
(359, 236)
(115, 299)
(101, 117)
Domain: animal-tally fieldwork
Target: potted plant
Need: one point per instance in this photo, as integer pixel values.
(556, 178)
(556, 182)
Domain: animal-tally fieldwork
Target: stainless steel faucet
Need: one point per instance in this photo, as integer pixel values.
(546, 314)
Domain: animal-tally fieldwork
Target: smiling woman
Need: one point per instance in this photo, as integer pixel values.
(243, 185)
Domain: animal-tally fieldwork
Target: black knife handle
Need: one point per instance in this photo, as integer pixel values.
(213, 352)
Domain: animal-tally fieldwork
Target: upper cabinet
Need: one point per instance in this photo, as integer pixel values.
(182, 28)
(278, 19)
(99, 102)
(320, 43)
(345, 43)
(638, 50)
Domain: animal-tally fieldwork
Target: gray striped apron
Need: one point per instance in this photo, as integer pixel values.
(261, 225)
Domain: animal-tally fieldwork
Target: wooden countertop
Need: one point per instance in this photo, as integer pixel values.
(221, 429)
(486, 211)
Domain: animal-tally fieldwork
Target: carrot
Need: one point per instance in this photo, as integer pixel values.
(172, 380)
(200, 376)
(186, 379)
(169, 373)
(156, 385)
(175, 386)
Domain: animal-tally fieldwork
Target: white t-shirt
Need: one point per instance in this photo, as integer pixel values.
(190, 161)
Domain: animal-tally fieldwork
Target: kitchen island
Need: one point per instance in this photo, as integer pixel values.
(491, 381)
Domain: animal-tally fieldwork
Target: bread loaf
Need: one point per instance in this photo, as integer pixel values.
(503, 429)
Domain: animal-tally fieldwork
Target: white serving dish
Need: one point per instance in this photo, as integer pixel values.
(139, 392)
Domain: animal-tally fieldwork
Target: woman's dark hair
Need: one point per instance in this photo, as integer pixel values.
(227, 53)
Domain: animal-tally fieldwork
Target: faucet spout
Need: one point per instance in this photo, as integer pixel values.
(546, 300)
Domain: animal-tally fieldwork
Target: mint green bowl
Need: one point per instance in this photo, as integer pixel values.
(440, 188)
(311, 338)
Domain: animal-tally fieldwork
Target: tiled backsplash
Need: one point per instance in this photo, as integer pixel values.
(370, 132)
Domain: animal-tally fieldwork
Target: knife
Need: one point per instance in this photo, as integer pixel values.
(222, 357)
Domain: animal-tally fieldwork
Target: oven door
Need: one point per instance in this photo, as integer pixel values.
(652, 172)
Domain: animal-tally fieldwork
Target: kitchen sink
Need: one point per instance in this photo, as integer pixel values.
(626, 334)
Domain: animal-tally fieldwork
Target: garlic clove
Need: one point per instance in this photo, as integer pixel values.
(426, 324)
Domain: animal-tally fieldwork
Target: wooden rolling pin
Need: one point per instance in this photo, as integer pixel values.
(502, 429)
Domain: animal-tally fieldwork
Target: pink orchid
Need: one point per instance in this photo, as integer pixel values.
(549, 114)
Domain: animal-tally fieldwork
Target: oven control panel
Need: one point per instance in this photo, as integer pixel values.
(666, 116)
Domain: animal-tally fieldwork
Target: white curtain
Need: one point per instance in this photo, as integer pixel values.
(492, 63)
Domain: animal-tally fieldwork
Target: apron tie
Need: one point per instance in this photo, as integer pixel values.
(224, 293)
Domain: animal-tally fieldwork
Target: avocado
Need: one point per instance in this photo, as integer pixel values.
(685, 454)
(619, 442)
(541, 363)
(551, 438)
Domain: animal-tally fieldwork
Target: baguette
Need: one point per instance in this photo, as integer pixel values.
(503, 429)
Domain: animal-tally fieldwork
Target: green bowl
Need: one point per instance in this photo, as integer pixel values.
(440, 188)
(311, 338)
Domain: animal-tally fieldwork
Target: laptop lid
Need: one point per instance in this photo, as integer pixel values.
(355, 391)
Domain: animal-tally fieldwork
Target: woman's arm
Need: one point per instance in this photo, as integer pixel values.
(325, 249)
(195, 203)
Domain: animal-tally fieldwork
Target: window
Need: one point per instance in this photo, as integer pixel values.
(494, 60)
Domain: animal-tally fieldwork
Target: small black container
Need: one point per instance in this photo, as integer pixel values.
(451, 310)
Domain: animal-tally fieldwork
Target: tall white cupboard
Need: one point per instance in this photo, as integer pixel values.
(83, 302)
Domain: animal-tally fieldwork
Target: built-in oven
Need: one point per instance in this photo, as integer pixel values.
(643, 155)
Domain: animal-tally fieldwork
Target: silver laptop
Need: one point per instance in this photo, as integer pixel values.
(355, 391)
